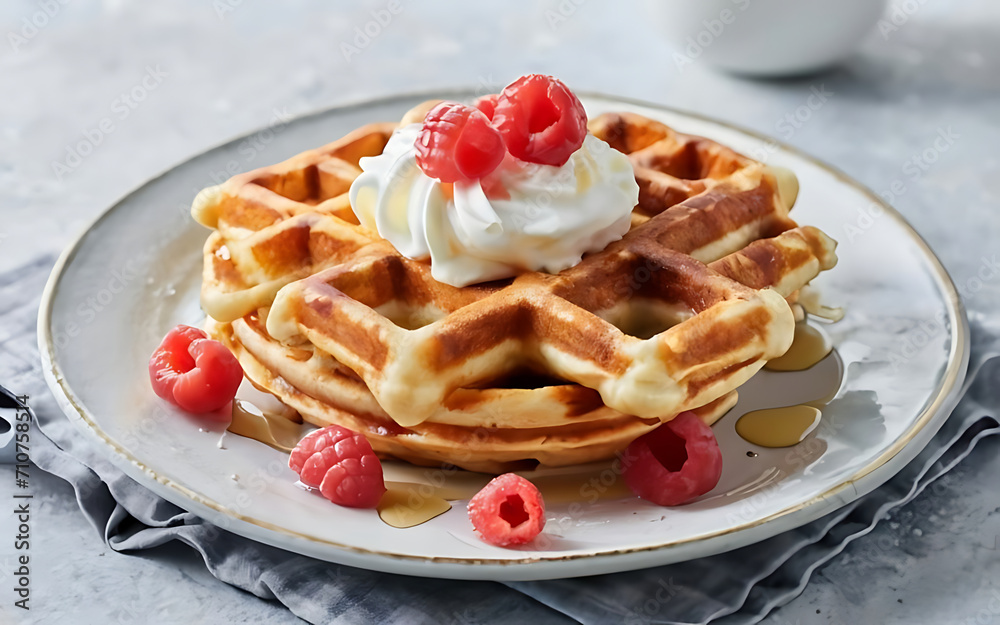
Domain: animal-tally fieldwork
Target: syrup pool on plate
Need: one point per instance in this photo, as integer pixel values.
(785, 426)
(809, 346)
(406, 507)
(778, 427)
(266, 426)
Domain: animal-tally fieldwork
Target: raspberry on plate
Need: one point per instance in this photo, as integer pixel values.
(457, 142)
(508, 511)
(674, 463)
(193, 371)
(540, 120)
(341, 463)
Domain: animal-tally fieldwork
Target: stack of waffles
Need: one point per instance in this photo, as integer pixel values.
(552, 369)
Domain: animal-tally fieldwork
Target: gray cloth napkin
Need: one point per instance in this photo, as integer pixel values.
(738, 587)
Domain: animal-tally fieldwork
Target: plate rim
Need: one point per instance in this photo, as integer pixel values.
(862, 481)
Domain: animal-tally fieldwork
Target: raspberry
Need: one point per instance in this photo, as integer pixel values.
(540, 120)
(674, 463)
(487, 104)
(341, 463)
(508, 511)
(193, 371)
(458, 143)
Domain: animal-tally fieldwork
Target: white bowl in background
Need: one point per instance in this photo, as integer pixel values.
(766, 37)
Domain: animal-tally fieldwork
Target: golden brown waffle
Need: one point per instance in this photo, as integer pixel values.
(560, 368)
(554, 424)
(277, 224)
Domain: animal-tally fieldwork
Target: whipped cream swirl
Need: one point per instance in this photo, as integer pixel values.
(521, 217)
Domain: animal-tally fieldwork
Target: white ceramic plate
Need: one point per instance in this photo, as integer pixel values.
(136, 273)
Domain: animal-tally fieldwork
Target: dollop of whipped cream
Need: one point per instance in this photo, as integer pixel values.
(521, 217)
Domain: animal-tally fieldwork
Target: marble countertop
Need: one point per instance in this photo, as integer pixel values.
(142, 86)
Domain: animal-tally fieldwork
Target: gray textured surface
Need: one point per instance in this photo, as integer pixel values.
(935, 562)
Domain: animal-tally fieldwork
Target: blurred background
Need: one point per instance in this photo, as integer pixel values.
(98, 96)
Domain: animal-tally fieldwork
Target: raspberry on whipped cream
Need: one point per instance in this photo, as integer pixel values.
(521, 217)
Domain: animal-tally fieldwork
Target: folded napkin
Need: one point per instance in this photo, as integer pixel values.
(737, 587)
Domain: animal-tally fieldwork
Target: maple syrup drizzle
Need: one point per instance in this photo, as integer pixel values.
(778, 427)
(405, 507)
(809, 346)
(271, 429)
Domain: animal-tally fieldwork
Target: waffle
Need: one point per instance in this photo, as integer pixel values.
(278, 224)
(557, 369)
